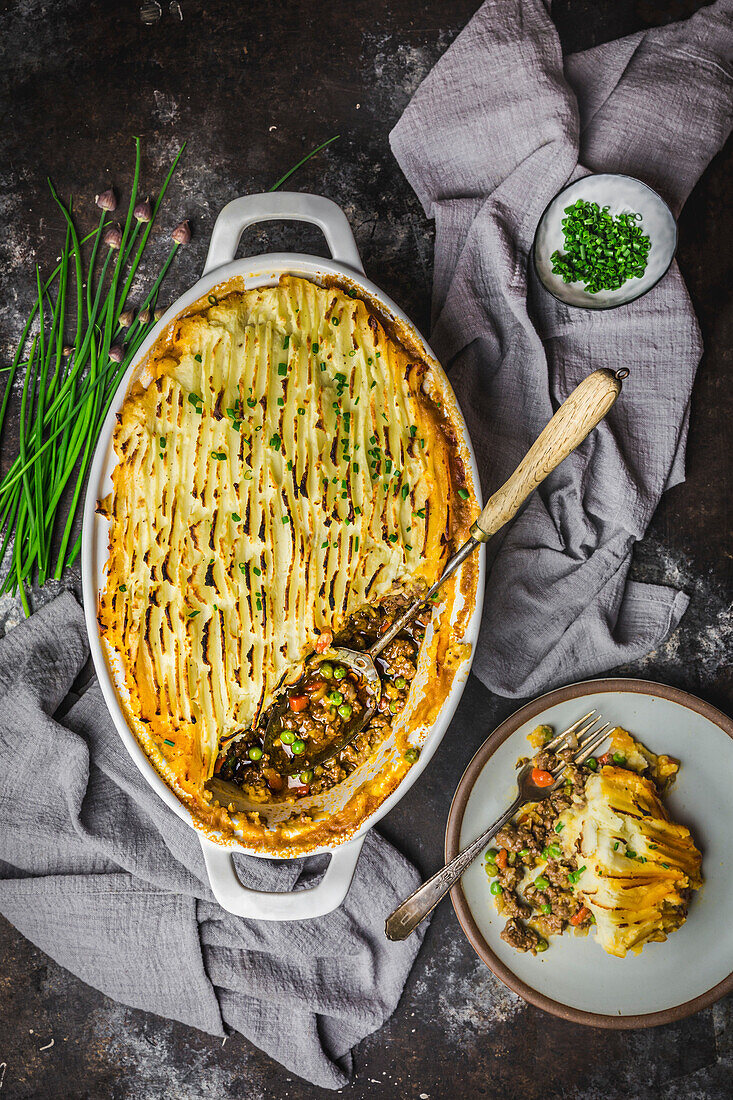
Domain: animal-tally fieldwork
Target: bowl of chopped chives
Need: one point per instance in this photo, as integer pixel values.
(603, 241)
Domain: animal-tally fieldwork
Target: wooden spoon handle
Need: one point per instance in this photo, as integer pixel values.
(577, 416)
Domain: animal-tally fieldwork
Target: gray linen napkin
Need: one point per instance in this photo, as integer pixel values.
(101, 875)
(498, 127)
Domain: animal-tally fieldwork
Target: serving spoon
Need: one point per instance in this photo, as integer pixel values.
(574, 420)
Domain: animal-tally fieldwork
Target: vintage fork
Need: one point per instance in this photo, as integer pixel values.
(414, 909)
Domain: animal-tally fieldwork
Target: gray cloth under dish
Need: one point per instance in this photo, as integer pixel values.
(100, 874)
(498, 127)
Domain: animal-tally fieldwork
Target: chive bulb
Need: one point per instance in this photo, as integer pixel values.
(158, 313)
(107, 200)
(113, 237)
(143, 211)
(144, 316)
(126, 318)
(117, 353)
(182, 233)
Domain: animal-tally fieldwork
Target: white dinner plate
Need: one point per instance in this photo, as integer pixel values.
(576, 978)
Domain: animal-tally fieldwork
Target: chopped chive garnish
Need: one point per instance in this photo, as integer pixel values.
(167, 742)
(601, 251)
(281, 401)
(123, 588)
(257, 572)
(421, 513)
(392, 538)
(286, 341)
(213, 300)
(463, 494)
(236, 518)
(197, 358)
(282, 369)
(405, 491)
(286, 519)
(413, 430)
(193, 614)
(242, 567)
(218, 454)
(162, 441)
(334, 320)
(301, 412)
(314, 349)
(275, 441)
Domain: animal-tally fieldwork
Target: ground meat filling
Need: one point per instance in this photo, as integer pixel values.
(323, 705)
(532, 879)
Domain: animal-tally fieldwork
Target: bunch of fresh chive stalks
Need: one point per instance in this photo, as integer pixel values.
(69, 381)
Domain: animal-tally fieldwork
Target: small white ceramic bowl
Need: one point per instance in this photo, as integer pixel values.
(623, 194)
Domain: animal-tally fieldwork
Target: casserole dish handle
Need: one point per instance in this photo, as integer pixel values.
(293, 905)
(282, 206)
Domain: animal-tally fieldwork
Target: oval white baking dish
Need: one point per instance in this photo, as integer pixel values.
(265, 270)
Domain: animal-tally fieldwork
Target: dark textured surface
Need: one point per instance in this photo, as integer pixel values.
(252, 87)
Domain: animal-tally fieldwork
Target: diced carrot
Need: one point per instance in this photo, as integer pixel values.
(541, 778)
(300, 792)
(523, 819)
(218, 764)
(324, 641)
(501, 859)
(607, 758)
(582, 915)
(298, 702)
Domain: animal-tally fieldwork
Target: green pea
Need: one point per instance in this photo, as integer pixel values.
(541, 945)
(412, 755)
(400, 682)
(491, 854)
(523, 853)
(546, 909)
(541, 882)
(326, 669)
(393, 707)
(336, 698)
(591, 763)
(298, 747)
(496, 888)
(306, 776)
(287, 737)
(555, 851)
(339, 672)
(619, 758)
(255, 753)
(345, 710)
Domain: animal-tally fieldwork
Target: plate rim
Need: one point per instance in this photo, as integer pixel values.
(452, 837)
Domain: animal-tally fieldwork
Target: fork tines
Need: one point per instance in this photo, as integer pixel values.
(572, 738)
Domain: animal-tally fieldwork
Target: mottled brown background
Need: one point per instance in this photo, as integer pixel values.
(253, 86)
